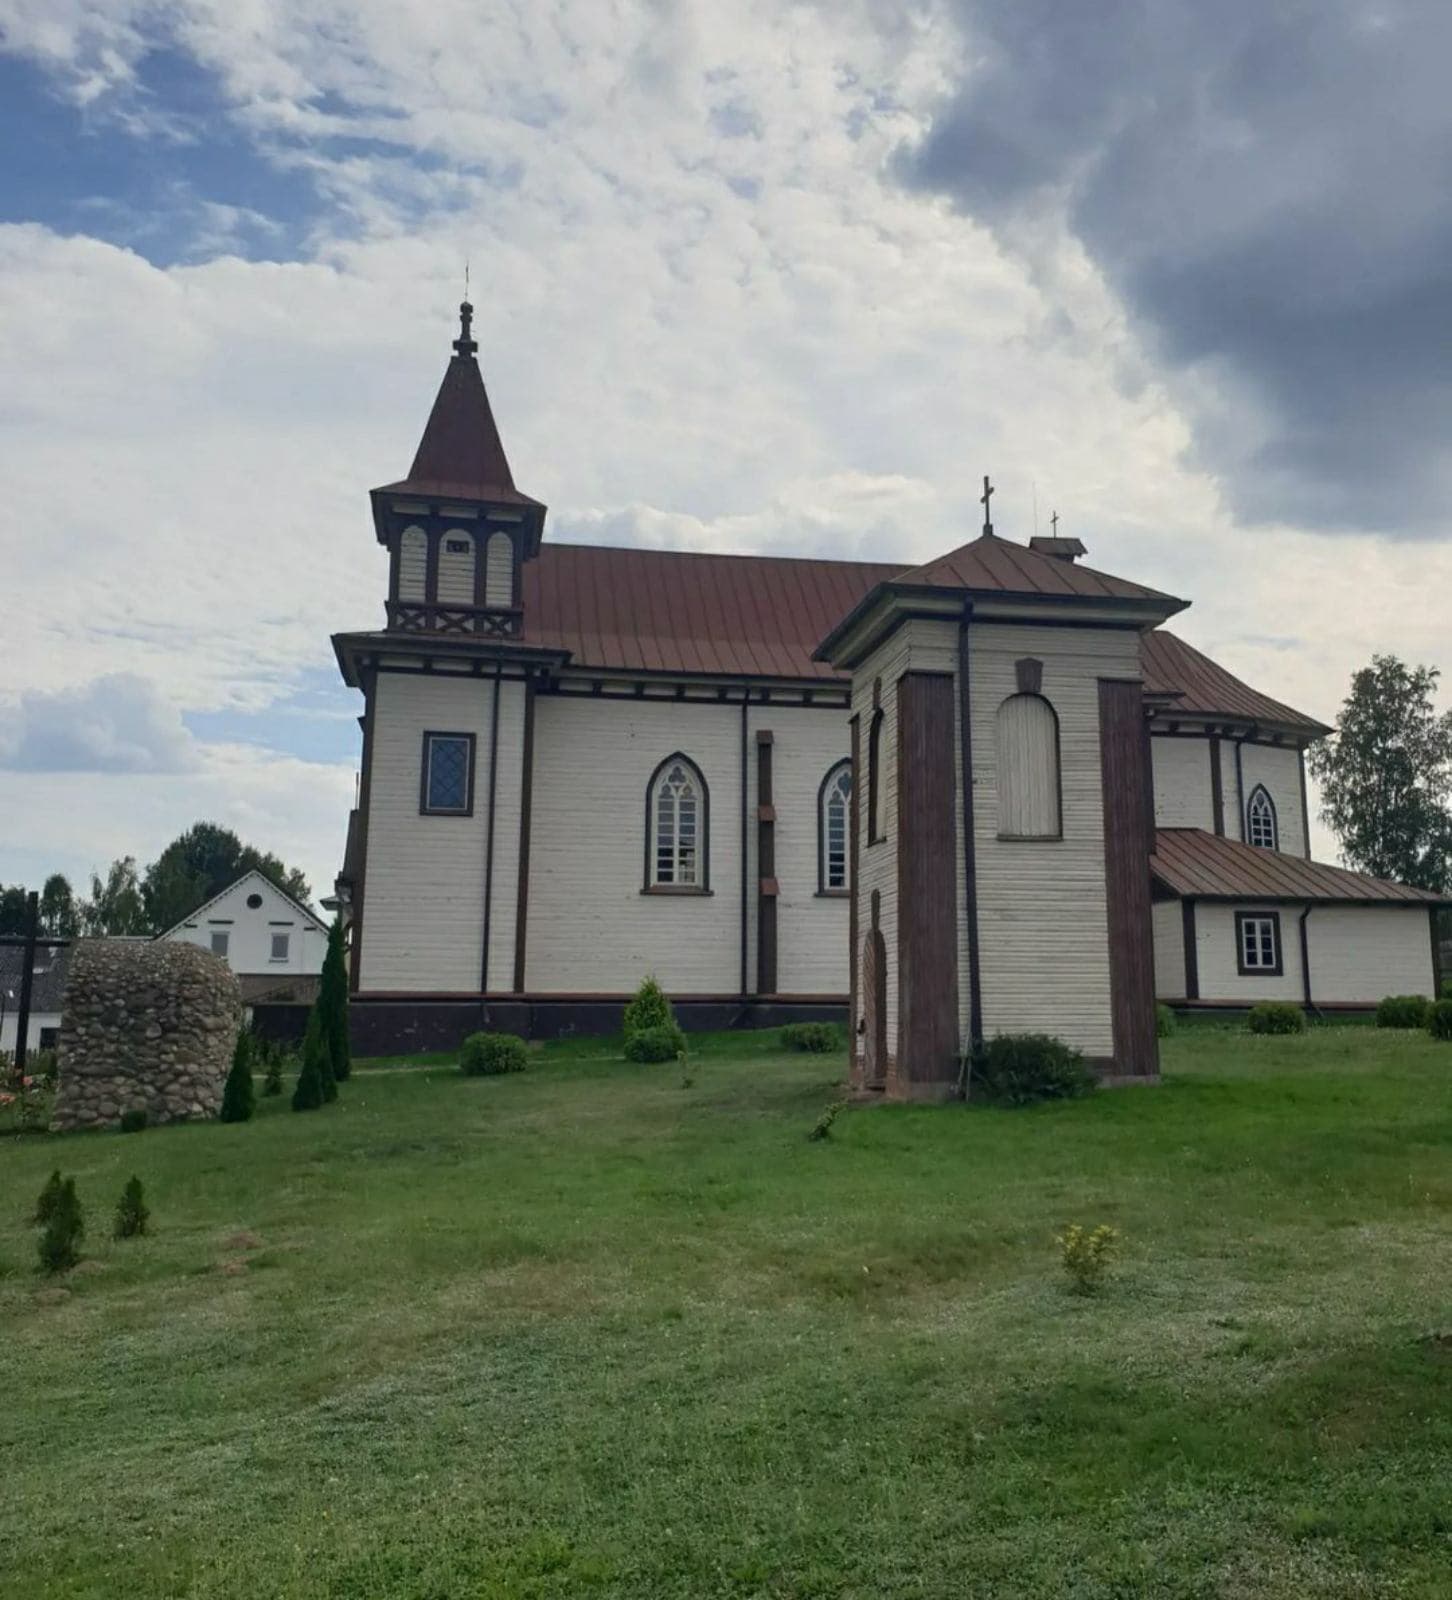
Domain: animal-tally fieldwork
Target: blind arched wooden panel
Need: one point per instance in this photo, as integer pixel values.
(499, 570)
(413, 563)
(456, 568)
(1028, 768)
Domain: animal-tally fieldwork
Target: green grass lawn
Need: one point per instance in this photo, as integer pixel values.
(590, 1331)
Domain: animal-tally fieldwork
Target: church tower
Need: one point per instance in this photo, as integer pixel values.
(456, 529)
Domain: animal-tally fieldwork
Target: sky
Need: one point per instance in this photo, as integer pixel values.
(748, 277)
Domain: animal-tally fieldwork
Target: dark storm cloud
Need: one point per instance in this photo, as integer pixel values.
(1268, 189)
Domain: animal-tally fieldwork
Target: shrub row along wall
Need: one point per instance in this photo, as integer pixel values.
(143, 1024)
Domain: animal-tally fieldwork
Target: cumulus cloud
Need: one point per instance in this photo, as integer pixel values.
(1263, 187)
(116, 723)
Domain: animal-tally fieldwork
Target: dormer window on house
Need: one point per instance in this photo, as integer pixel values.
(447, 786)
(1260, 819)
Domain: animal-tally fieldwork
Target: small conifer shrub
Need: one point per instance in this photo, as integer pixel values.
(333, 999)
(309, 1093)
(48, 1200)
(1018, 1069)
(664, 1043)
(1087, 1254)
(132, 1212)
(1439, 1020)
(1403, 1011)
(59, 1246)
(134, 1119)
(272, 1078)
(820, 1038)
(649, 1009)
(489, 1054)
(1276, 1016)
(238, 1096)
(1164, 1021)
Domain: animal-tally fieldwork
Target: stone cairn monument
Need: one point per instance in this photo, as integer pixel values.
(144, 1025)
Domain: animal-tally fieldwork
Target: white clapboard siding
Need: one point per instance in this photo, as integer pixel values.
(811, 929)
(1028, 767)
(499, 570)
(250, 929)
(423, 916)
(1361, 954)
(1183, 796)
(1042, 918)
(1169, 933)
(413, 563)
(456, 568)
(1216, 955)
(1279, 770)
(591, 930)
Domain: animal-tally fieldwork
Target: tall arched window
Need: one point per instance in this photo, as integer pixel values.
(499, 570)
(1260, 819)
(413, 563)
(834, 807)
(1028, 769)
(456, 568)
(874, 778)
(677, 821)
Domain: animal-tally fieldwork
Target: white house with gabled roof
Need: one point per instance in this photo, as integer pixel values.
(270, 940)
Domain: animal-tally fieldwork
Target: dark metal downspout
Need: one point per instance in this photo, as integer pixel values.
(1310, 1004)
(1240, 739)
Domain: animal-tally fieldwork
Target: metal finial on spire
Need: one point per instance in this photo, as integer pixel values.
(466, 344)
(984, 499)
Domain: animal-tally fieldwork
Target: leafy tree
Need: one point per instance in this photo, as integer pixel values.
(333, 1003)
(1386, 775)
(12, 908)
(238, 1097)
(202, 862)
(116, 907)
(59, 917)
(309, 1093)
(132, 1212)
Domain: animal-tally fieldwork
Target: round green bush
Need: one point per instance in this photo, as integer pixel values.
(1439, 1020)
(1017, 1069)
(665, 1043)
(489, 1054)
(649, 1009)
(817, 1037)
(1403, 1011)
(1164, 1021)
(1276, 1016)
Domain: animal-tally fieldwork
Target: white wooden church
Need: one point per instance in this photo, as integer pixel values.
(986, 794)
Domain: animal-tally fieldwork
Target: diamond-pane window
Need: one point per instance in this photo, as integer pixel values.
(446, 786)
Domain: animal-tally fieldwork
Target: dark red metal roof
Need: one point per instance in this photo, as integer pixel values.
(1192, 863)
(669, 611)
(1204, 688)
(990, 564)
(460, 456)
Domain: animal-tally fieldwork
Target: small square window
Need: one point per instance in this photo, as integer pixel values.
(279, 946)
(457, 547)
(448, 775)
(1258, 943)
(220, 940)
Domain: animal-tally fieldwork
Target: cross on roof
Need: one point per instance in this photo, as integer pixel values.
(984, 498)
(1054, 524)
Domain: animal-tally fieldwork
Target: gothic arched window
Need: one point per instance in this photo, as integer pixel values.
(1028, 769)
(1260, 819)
(834, 809)
(874, 778)
(677, 810)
